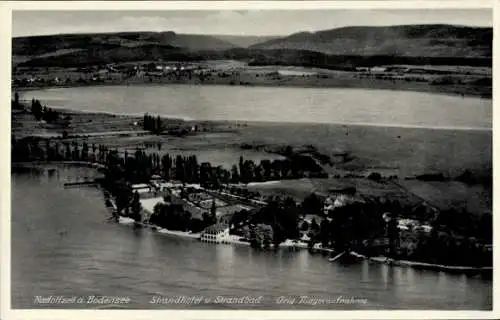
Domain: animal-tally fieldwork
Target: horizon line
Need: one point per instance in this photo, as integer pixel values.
(256, 35)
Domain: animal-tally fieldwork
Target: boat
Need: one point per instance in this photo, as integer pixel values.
(338, 256)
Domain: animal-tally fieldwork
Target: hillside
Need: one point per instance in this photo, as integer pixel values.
(406, 41)
(338, 48)
(36, 46)
(245, 41)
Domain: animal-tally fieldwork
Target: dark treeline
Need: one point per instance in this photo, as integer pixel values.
(139, 166)
(457, 237)
(255, 56)
(125, 169)
(43, 113)
(346, 62)
(153, 124)
(157, 125)
(112, 53)
(42, 149)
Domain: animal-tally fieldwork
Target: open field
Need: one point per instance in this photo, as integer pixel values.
(400, 151)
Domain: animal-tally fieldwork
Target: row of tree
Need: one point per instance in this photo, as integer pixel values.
(43, 113)
(140, 166)
(153, 124)
(40, 149)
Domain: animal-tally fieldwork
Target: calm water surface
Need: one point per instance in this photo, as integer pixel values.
(280, 104)
(62, 244)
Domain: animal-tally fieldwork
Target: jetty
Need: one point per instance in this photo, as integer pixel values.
(85, 183)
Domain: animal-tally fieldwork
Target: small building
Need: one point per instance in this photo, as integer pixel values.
(141, 188)
(217, 233)
(407, 224)
(424, 228)
(362, 69)
(378, 69)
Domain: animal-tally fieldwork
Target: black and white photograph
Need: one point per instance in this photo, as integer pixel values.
(331, 158)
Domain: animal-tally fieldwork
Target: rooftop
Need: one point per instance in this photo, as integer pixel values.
(216, 228)
(139, 186)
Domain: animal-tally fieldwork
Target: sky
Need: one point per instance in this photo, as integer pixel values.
(225, 22)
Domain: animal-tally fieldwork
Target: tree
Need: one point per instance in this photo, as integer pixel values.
(485, 227)
(15, 103)
(267, 169)
(205, 174)
(314, 225)
(213, 211)
(235, 177)
(324, 232)
(261, 235)
(392, 234)
(312, 204)
(85, 152)
(36, 109)
(304, 226)
(136, 207)
(290, 218)
(375, 176)
(179, 168)
(123, 195)
(208, 219)
(241, 167)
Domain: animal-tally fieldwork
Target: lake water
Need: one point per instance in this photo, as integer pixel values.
(62, 244)
(279, 104)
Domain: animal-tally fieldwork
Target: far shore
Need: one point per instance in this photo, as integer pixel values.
(349, 81)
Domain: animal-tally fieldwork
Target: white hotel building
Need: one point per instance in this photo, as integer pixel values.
(217, 233)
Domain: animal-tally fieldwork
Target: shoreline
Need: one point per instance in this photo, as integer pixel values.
(421, 265)
(190, 235)
(379, 260)
(294, 82)
(139, 117)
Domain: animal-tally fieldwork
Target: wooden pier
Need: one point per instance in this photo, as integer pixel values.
(82, 182)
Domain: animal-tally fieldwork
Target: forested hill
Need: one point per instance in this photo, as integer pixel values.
(46, 45)
(404, 40)
(337, 48)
